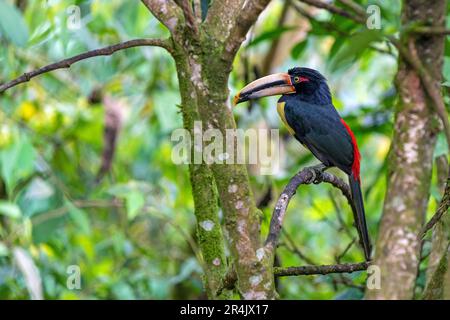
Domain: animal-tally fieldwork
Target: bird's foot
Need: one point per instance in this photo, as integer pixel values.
(317, 171)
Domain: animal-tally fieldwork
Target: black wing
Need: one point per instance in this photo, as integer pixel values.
(320, 129)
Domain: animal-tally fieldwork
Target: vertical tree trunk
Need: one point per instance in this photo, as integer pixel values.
(204, 52)
(411, 158)
(209, 231)
(440, 238)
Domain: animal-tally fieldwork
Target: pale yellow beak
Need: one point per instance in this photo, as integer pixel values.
(274, 84)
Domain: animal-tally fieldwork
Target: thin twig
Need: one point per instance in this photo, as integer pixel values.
(343, 225)
(305, 176)
(333, 28)
(230, 278)
(349, 246)
(325, 269)
(295, 249)
(358, 9)
(66, 63)
(334, 9)
(431, 31)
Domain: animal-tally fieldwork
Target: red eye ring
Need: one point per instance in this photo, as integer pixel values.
(298, 79)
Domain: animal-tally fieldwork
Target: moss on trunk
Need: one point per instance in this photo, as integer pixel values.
(411, 159)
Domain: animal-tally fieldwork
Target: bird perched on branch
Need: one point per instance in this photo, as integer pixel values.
(307, 110)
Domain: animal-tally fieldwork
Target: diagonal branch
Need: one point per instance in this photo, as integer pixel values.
(336, 10)
(325, 269)
(66, 63)
(305, 176)
(442, 209)
(357, 8)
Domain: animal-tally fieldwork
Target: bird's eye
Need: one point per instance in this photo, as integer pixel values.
(297, 79)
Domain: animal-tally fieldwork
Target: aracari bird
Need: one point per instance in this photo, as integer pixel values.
(307, 110)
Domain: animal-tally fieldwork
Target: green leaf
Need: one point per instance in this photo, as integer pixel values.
(446, 69)
(17, 162)
(270, 35)
(354, 48)
(337, 45)
(79, 217)
(298, 49)
(441, 146)
(166, 111)
(134, 202)
(12, 24)
(10, 209)
(4, 251)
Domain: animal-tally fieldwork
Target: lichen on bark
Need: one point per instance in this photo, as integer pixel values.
(204, 55)
(411, 158)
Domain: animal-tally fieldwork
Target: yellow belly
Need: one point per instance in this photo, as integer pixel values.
(280, 109)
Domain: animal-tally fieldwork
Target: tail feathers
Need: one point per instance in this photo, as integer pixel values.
(359, 215)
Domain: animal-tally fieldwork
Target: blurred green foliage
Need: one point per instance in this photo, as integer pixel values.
(133, 233)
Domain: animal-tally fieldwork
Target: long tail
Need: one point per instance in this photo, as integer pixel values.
(359, 216)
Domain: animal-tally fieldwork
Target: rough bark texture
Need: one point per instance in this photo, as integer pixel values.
(411, 156)
(204, 54)
(435, 287)
(209, 231)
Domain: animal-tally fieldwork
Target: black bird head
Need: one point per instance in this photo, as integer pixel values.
(307, 84)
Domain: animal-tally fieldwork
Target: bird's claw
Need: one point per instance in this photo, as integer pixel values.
(317, 172)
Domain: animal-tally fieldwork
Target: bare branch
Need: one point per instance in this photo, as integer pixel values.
(347, 248)
(166, 11)
(66, 63)
(305, 176)
(357, 8)
(332, 27)
(230, 279)
(431, 31)
(325, 269)
(336, 10)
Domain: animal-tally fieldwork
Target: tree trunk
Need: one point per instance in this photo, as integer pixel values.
(204, 53)
(411, 158)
